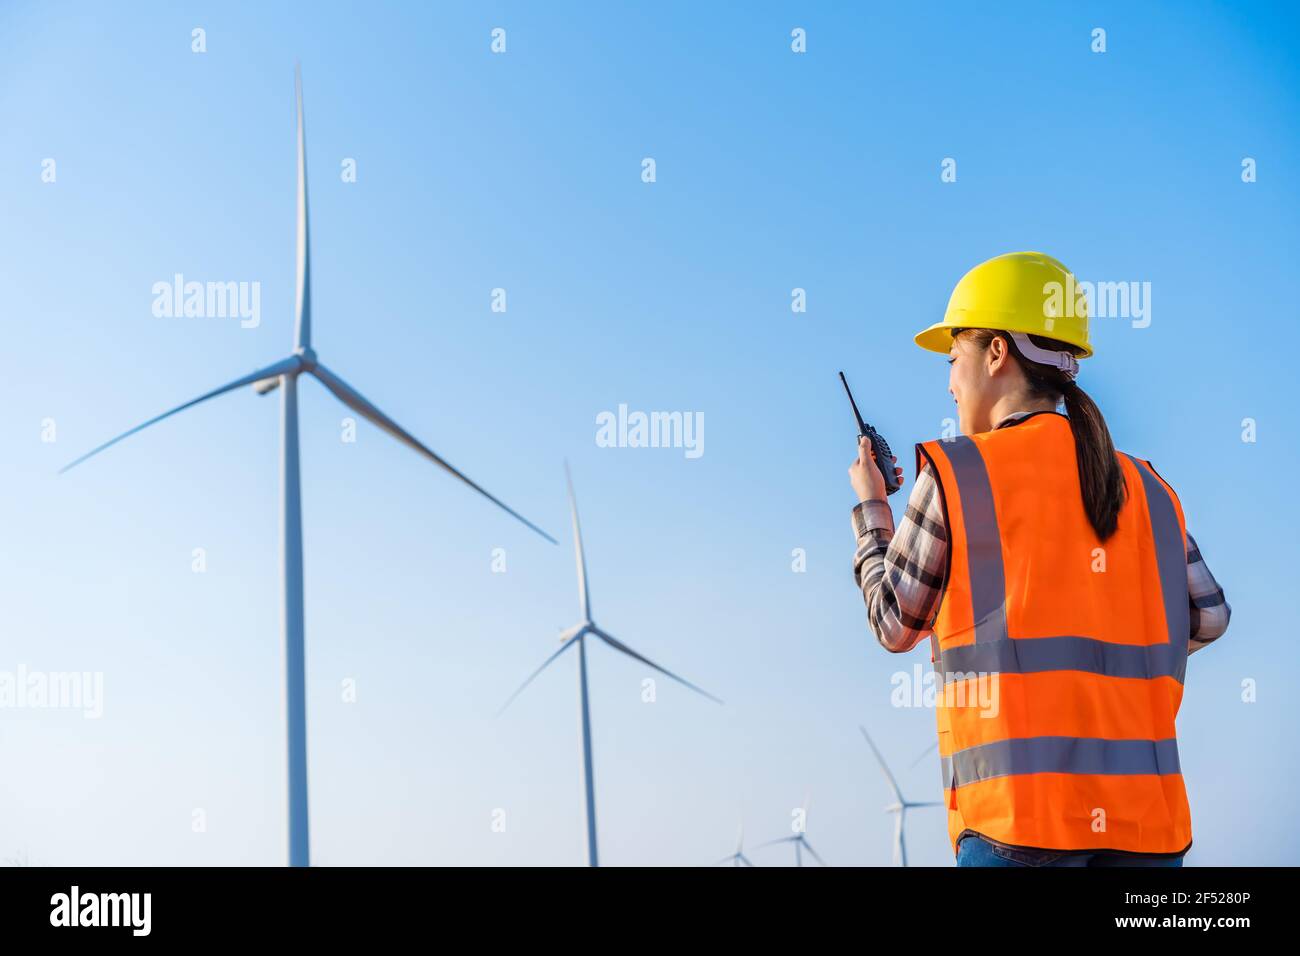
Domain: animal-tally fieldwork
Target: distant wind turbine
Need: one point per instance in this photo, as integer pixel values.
(738, 858)
(577, 635)
(800, 839)
(284, 375)
(899, 807)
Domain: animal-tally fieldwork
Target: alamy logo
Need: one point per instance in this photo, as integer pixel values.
(102, 909)
(973, 690)
(53, 690)
(209, 300)
(1110, 300)
(651, 430)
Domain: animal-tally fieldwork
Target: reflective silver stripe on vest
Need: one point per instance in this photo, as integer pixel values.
(1087, 755)
(1171, 558)
(988, 588)
(994, 652)
(1034, 655)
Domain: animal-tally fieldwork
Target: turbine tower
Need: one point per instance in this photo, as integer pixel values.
(284, 375)
(577, 636)
(800, 840)
(899, 807)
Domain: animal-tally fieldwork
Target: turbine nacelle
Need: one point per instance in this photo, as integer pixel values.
(577, 631)
(306, 363)
(801, 844)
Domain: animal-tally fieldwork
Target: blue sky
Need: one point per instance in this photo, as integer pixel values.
(523, 171)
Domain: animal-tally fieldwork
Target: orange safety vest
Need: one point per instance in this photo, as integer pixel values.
(1059, 658)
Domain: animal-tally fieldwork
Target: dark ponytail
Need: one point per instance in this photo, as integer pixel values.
(1100, 478)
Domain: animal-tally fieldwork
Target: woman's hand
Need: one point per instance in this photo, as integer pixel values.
(865, 477)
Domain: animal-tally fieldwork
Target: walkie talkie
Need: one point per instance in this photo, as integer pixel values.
(884, 457)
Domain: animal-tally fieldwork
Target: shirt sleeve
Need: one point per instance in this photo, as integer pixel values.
(901, 575)
(1210, 609)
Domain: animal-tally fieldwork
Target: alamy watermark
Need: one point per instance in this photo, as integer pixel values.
(651, 430)
(921, 688)
(53, 690)
(127, 910)
(1109, 300)
(208, 300)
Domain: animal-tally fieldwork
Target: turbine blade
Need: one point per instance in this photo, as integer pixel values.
(584, 599)
(789, 839)
(620, 646)
(889, 777)
(929, 803)
(746, 860)
(283, 367)
(808, 846)
(933, 746)
(354, 400)
(302, 325)
(570, 638)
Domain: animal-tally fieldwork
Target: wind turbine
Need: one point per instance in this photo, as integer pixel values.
(800, 840)
(738, 858)
(900, 806)
(577, 636)
(284, 375)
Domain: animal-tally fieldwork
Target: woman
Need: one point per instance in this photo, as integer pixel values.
(1058, 585)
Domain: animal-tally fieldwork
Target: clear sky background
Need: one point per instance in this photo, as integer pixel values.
(522, 171)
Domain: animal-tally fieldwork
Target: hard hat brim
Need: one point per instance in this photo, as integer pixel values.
(938, 337)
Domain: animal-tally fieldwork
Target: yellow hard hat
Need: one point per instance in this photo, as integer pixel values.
(1016, 292)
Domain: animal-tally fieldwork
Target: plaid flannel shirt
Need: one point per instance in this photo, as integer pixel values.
(901, 575)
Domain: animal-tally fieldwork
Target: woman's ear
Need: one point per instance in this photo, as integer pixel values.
(997, 355)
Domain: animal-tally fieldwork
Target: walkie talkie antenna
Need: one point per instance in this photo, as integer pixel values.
(862, 426)
(879, 447)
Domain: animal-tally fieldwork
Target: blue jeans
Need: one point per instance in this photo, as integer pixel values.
(974, 850)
